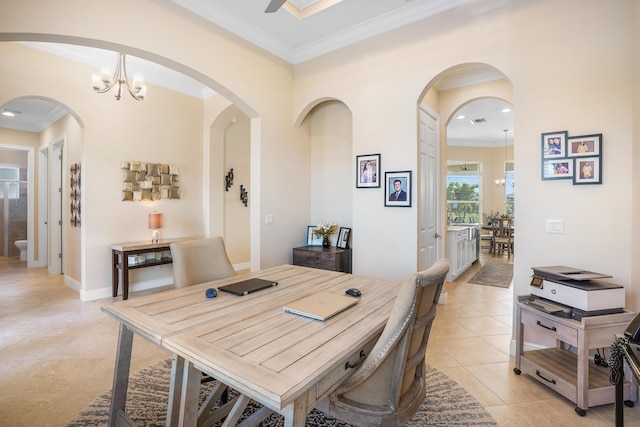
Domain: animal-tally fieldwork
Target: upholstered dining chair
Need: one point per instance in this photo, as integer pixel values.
(389, 386)
(199, 261)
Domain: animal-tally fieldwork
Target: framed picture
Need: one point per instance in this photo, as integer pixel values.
(397, 186)
(313, 239)
(554, 145)
(588, 170)
(584, 146)
(343, 238)
(368, 167)
(557, 169)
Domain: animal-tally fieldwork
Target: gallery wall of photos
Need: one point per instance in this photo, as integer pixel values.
(578, 158)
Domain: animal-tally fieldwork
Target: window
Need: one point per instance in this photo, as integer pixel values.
(10, 175)
(463, 192)
(509, 189)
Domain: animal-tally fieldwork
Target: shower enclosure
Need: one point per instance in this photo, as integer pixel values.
(13, 200)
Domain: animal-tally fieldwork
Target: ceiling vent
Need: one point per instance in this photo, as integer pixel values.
(476, 121)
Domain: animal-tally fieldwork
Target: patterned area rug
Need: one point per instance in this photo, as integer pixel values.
(494, 274)
(447, 404)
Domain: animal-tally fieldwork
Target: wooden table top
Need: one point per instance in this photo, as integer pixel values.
(145, 244)
(249, 342)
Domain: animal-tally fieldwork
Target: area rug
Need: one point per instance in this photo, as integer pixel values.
(446, 404)
(494, 274)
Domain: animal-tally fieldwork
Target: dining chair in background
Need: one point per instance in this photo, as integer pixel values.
(388, 387)
(502, 236)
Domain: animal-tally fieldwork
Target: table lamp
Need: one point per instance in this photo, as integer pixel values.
(155, 223)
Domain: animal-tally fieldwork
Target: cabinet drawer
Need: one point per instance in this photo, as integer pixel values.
(315, 259)
(550, 327)
(551, 378)
(335, 377)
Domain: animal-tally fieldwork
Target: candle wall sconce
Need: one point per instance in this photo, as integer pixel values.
(244, 195)
(229, 179)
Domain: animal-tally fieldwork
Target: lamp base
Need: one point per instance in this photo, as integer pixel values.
(155, 236)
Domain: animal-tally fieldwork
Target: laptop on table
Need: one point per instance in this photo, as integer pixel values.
(248, 286)
(321, 305)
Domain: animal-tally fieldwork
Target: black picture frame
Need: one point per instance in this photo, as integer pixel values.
(343, 238)
(554, 145)
(404, 198)
(312, 238)
(584, 145)
(588, 170)
(557, 168)
(364, 179)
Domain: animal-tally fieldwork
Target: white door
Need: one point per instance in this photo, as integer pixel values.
(428, 247)
(56, 217)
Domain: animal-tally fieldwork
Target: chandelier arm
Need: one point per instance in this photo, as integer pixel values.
(134, 92)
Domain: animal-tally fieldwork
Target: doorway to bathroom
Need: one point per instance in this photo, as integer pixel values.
(14, 202)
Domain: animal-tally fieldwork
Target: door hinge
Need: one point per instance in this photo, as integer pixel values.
(60, 255)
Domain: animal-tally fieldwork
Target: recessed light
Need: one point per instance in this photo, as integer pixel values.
(506, 110)
(460, 117)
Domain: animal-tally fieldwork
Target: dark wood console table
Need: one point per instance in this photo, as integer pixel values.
(120, 261)
(334, 259)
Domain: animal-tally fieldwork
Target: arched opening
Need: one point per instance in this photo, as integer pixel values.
(444, 96)
(328, 122)
(41, 208)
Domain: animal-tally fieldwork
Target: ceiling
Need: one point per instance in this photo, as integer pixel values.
(300, 30)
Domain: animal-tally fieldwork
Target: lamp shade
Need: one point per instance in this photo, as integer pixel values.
(155, 221)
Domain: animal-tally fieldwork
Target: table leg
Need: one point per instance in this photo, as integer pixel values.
(121, 374)
(114, 273)
(175, 390)
(189, 396)
(295, 414)
(125, 277)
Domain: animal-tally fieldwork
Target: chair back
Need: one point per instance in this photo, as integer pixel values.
(199, 261)
(502, 227)
(389, 386)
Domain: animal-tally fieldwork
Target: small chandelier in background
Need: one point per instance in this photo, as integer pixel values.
(105, 80)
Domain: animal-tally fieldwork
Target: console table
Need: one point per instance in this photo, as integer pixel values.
(332, 258)
(120, 261)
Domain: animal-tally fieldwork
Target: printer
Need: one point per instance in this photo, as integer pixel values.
(574, 293)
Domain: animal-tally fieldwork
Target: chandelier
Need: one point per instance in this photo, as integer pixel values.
(105, 80)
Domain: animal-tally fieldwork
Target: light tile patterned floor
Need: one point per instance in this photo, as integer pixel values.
(57, 353)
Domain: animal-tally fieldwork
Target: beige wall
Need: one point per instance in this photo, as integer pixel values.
(581, 81)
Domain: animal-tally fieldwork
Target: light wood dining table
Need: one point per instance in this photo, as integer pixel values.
(283, 361)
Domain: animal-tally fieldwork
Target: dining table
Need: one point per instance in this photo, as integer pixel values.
(283, 361)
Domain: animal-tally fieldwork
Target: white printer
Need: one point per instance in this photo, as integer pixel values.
(575, 292)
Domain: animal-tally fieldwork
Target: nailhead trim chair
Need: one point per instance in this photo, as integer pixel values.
(389, 386)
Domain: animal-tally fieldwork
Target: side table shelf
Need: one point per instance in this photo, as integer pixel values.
(570, 373)
(120, 261)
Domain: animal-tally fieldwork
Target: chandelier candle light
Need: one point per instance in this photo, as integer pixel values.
(105, 80)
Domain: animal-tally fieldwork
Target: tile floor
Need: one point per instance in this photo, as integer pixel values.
(57, 353)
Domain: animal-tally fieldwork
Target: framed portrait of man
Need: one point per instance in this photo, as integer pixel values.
(397, 189)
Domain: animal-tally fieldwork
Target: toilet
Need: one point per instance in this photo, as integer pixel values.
(22, 245)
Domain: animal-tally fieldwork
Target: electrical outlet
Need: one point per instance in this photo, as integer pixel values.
(268, 219)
